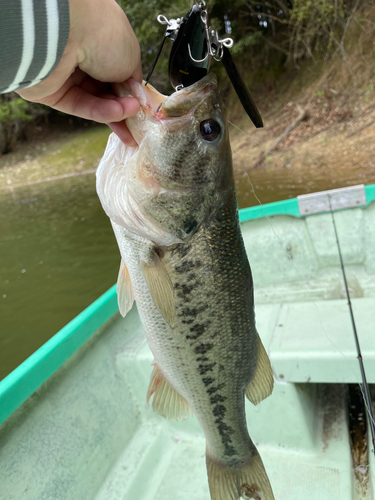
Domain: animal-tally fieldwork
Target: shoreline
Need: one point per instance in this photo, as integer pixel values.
(75, 153)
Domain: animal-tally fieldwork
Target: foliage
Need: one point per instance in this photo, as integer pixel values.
(319, 26)
(294, 29)
(14, 110)
(15, 114)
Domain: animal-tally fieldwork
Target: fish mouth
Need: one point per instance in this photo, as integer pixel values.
(184, 101)
(148, 97)
(157, 107)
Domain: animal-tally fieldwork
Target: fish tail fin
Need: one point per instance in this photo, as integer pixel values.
(247, 479)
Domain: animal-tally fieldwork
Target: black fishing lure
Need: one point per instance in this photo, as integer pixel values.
(194, 44)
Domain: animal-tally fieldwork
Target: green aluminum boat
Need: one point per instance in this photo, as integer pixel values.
(74, 419)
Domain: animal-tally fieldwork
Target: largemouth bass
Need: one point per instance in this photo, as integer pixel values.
(172, 204)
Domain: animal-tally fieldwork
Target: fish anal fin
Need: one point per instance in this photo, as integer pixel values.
(262, 384)
(167, 402)
(247, 479)
(125, 294)
(161, 288)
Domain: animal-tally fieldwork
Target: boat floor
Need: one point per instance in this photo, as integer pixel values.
(87, 433)
(164, 462)
(301, 433)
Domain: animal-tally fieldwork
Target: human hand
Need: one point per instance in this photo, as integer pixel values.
(101, 49)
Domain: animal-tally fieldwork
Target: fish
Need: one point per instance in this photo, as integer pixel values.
(172, 204)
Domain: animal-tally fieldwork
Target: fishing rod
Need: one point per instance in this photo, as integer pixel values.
(359, 354)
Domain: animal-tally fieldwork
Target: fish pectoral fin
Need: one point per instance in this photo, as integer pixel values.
(246, 479)
(125, 293)
(161, 288)
(262, 384)
(166, 401)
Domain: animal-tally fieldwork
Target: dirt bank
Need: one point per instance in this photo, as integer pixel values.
(53, 155)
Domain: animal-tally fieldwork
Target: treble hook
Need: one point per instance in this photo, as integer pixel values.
(197, 60)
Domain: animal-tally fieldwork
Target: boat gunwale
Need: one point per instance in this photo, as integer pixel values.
(22, 382)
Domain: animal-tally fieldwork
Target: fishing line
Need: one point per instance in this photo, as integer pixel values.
(346, 359)
(264, 213)
(235, 126)
(359, 354)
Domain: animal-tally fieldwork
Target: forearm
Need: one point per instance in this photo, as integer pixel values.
(33, 36)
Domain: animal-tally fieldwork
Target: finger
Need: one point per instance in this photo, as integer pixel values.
(138, 75)
(77, 79)
(80, 103)
(122, 131)
(94, 87)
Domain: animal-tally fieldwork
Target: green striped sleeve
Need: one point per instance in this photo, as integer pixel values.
(33, 36)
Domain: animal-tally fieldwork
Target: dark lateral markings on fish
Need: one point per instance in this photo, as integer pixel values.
(187, 265)
(218, 398)
(212, 390)
(192, 312)
(183, 250)
(185, 289)
(203, 348)
(203, 369)
(224, 430)
(208, 380)
(198, 330)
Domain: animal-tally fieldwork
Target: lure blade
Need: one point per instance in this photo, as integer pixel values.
(189, 57)
(241, 89)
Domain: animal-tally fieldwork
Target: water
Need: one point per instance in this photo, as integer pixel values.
(57, 255)
(274, 185)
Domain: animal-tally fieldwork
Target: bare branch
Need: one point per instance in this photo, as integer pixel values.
(270, 16)
(347, 26)
(302, 115)
(275, 46)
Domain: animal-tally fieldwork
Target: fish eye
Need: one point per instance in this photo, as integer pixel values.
(210, 130)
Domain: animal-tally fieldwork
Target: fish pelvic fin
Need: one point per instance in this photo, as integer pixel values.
(166, 401)
(246, 479)
(125, 293)
(262, 384)
(161, 288)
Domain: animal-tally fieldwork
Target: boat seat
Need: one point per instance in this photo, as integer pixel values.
(314, 341)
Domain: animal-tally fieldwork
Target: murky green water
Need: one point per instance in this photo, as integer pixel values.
(57, 255)
(274, 185)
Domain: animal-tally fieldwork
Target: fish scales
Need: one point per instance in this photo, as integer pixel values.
(206, 347)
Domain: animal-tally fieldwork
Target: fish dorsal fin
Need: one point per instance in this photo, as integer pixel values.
(262, 384)
(161, 288)
(166, 401)
(125, 294)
